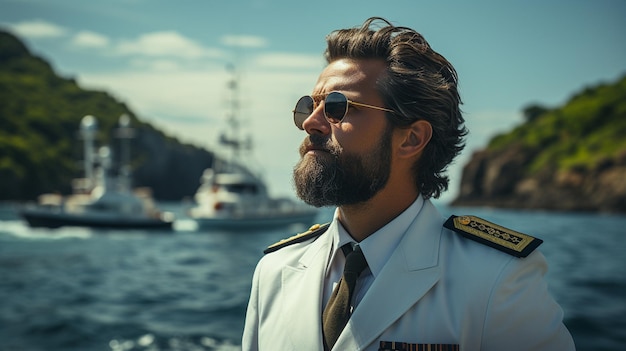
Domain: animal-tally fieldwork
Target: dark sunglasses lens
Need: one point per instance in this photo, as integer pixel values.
(303, 110)
(335, 106)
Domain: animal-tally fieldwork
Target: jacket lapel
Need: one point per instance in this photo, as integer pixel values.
(301, 291)
(411, 271)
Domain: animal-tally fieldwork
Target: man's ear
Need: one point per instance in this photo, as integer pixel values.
(415, 138)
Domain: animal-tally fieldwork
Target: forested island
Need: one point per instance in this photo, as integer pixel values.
(569, 158)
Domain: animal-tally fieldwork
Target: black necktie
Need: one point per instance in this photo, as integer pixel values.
(337, 311)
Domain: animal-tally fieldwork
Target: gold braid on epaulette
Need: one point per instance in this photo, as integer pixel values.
(493, 235)
(315, 231)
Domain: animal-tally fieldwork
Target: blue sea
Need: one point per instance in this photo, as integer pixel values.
(74, 289)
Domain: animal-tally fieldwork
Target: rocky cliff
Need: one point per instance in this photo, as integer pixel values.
(570, 158)
(498, 179)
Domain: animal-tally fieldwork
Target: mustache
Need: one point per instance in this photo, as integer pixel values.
(319, 142)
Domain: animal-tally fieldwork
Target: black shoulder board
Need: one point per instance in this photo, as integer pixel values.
(490, 234)
(314, 231)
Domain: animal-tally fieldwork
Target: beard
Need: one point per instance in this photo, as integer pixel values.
(334, 177)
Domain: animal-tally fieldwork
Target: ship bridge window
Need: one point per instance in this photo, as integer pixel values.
(101, 206)
(242, 188)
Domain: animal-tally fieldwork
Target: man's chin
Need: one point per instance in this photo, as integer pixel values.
(310, 188)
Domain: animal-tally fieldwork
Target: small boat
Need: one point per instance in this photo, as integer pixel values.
(231, 197)
(100, 200)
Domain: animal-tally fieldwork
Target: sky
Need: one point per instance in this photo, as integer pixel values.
(169, 60)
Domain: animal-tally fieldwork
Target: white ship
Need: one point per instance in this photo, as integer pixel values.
(231, 197)
(100, 200)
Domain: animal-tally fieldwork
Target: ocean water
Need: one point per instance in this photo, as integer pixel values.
(74, 289)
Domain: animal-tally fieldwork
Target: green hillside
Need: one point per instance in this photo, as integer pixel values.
(588, 130)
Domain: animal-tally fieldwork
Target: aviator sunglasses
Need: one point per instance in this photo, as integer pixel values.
(335, 108)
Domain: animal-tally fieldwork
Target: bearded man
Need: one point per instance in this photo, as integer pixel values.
(388, 272)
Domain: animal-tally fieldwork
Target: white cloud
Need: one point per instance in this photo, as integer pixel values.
(158, 65)
(87, 39)
(166, 44)
(245, 41)
(287, 60)
(38, 29)
(165, 93)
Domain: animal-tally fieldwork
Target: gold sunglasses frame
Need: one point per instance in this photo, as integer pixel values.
(322, 97)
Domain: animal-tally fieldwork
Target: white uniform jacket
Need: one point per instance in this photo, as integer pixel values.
(438, 288)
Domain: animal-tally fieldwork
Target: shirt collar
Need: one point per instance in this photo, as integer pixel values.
(379, 246)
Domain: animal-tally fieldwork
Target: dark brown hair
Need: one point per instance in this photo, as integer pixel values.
(419, 84)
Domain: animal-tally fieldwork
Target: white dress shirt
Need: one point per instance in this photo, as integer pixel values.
(377, 248)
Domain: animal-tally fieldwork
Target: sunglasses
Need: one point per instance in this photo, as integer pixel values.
(335, 108)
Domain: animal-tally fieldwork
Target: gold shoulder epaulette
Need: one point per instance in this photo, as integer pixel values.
(490, 234)
(314, 231)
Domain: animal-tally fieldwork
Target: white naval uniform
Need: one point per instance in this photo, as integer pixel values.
(436, 288)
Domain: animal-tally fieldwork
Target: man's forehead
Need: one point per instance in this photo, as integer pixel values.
(348, 74)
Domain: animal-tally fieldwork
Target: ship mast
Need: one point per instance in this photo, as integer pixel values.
(233, 139)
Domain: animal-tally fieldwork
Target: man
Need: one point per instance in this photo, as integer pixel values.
(383, 123)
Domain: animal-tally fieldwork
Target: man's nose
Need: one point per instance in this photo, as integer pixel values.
(316, 123)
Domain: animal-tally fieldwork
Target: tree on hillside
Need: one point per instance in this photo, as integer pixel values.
(531, 112)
